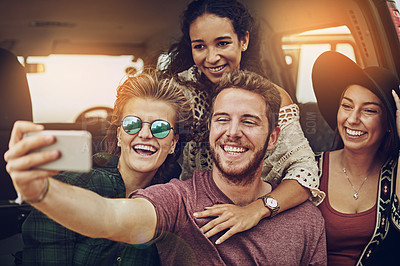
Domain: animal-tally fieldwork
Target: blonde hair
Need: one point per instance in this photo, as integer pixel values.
(151, 84)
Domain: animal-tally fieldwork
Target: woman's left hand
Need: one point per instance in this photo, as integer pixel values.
(235, 218)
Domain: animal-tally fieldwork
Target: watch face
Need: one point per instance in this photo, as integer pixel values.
(272, 202)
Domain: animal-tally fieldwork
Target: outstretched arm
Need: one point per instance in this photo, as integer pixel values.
(126, 220)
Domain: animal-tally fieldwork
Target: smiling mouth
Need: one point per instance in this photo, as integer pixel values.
(234, 150)
(216, 69)
(144, 149)
(355, 133)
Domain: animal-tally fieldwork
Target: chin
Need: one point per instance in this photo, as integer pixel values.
(145, 167)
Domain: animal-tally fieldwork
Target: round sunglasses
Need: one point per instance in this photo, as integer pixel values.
(159, 128)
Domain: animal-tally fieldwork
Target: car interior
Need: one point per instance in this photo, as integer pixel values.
(61, 62)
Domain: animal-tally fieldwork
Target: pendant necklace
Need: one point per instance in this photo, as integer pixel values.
(355, 195)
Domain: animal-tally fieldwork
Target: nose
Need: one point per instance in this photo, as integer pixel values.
(145, 132)
(234, 129)
(354, 117)
(212, 55)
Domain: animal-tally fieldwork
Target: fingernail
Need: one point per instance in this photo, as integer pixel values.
(217, 242)
(195, 214)
(54, 153)
(48, 138)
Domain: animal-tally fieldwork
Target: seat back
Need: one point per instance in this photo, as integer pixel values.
(15, 104)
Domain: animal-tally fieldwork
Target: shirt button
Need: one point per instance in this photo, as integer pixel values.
(119, 259)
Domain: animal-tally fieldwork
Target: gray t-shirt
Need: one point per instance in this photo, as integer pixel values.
(294, 237)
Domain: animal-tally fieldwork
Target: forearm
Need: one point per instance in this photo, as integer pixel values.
(289, 194)
(78, 209)
(89, 214)
(292, 157)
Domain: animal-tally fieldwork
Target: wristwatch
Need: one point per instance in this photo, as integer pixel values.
(271, 204)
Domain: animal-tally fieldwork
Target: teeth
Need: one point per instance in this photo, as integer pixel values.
(215, 69)
(234, 150)
(144, 147)
(354, 132)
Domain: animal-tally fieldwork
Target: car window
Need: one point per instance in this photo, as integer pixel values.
(301, 51)
(71, 84)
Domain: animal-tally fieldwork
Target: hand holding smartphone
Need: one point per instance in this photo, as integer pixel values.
(75, 147)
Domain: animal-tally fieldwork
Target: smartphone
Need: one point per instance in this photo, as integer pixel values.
(75, 147)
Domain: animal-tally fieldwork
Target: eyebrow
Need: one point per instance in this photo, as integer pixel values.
(243, 116)
(366, 103)
(217, 39)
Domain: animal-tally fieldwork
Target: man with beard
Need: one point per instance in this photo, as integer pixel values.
(242, 127)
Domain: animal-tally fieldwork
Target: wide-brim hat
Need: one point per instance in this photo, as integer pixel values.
(333, 72)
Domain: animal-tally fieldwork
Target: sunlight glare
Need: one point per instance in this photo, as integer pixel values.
(74, 83)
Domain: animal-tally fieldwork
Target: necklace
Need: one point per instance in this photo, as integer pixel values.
(355, 195)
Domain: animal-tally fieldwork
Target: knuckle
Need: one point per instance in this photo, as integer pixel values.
(6, 155)
(29, 161)
(212, 223)
(230, 214)
(9, 167)
(219, 228)
(228, 234)
(18, 124)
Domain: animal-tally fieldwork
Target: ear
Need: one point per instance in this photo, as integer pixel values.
(244, 42)
(273, 138)
(119, 136)
(173, 144)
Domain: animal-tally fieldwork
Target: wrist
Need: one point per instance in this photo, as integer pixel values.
(42, 195)
(263, 212)
(270, 204)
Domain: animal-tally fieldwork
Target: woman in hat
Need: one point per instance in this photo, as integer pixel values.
(359, 175)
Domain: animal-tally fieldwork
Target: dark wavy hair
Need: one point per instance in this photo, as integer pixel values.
(181, 52)
(152, 84)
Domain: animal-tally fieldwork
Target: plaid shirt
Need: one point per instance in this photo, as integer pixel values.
(48, 243)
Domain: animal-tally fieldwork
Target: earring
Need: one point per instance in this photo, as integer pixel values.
(171, 151)
(119, 143)
(244, 48)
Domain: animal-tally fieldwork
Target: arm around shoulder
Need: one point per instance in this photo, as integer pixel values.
(292, 158)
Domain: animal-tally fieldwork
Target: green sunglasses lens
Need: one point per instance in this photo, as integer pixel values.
(160, 129)
(131, 125)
